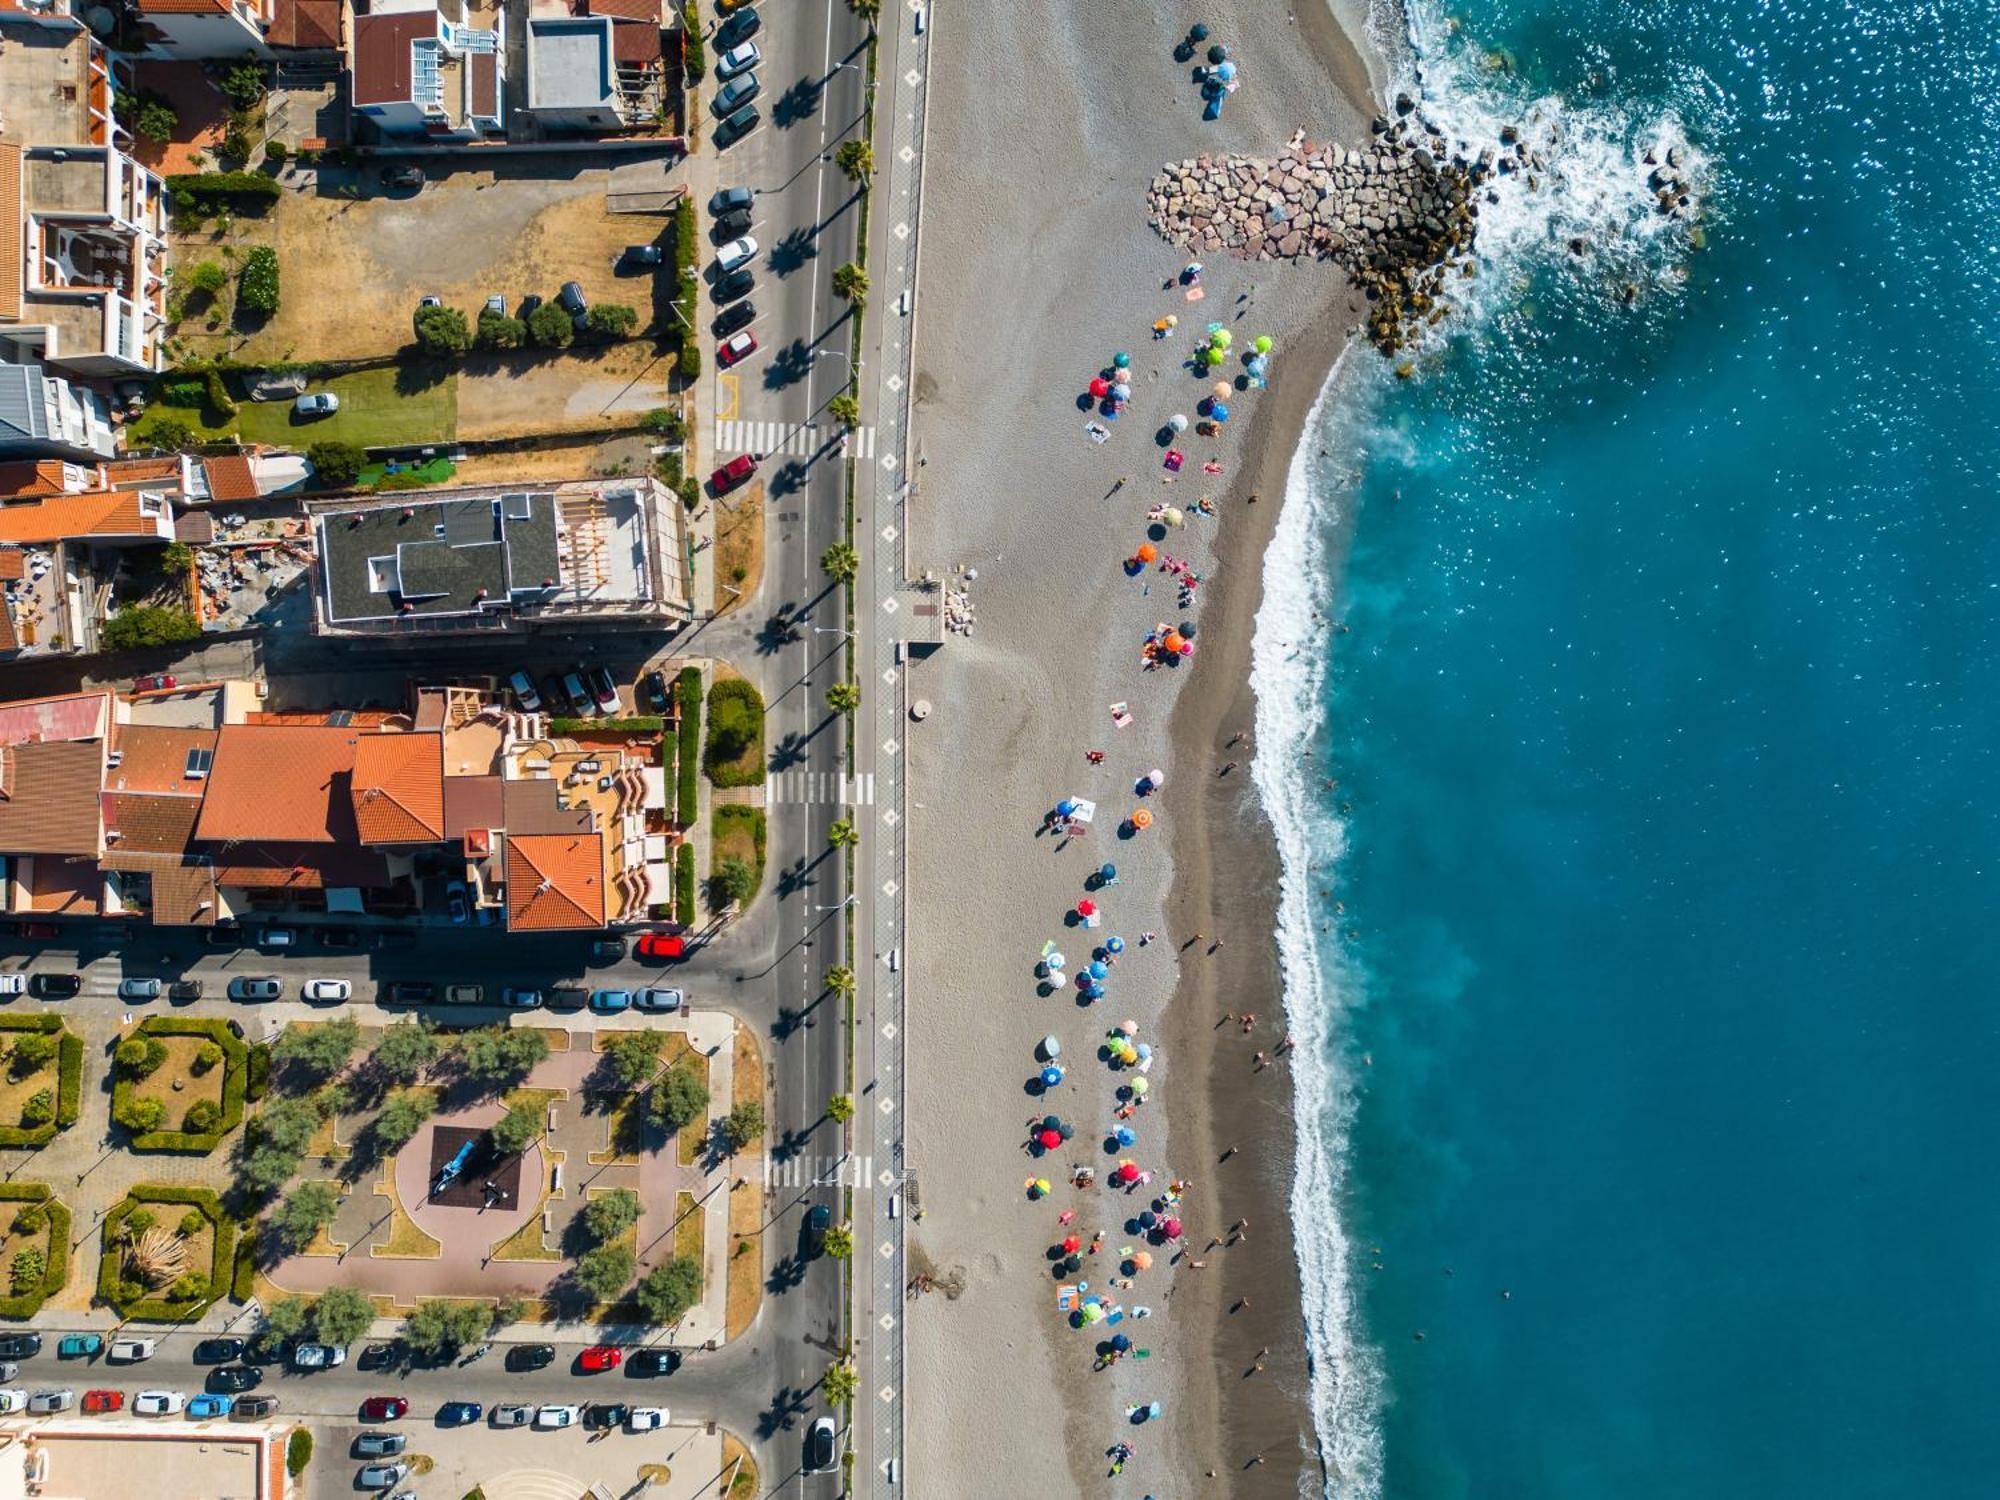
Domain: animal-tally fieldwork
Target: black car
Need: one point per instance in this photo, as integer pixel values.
(228, 1380)
(219, 1351)
(54, 986)
(728, 226)
(653, 1361)
(531, 1356)
(652, 691)
(737, 283)
(607, 950)
(224, 937)
(738, 125)
(20, 1345)
(572, 301)
(395, 937)
(183, 990)
(742, 315)
(602, 1416)
(740, 27)
(640, 256)
(812, 1233)
(337, 937)
(565, 997)
(412, 991)
(378, 1357)
(403, 177)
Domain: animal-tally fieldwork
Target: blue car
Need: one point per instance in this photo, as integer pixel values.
(210, 1406)
(610, 1002)
(459, 1413)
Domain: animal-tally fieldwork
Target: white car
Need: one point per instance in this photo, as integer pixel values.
(556, 1416)
(45, 1402)
(13, 984)
(327, 991)
(13, 1399)
(739, 59)
(645, 1418)
(318, 404)
(656, 999)
(131, 1351)
(524, 691)
(735, 253)
(158, 1403)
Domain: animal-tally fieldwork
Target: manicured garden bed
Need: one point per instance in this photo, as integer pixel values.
(203, 1235)
(209, 1063)
(34, 1233)
(41, 1086)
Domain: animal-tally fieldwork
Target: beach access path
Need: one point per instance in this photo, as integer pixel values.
(1037, 265)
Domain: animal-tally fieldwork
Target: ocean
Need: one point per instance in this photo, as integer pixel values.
(1635, 783)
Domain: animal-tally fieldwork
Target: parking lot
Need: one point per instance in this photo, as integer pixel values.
(524, 1463)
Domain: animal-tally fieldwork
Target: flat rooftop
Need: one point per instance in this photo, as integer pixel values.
(438, 558)
(569, 62)
(44, 77)
(48, 1459)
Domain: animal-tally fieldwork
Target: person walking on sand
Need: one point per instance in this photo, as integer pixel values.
(1263, 1062)
(1249, 1019)
(1227, 767)
(1226, 1155)
(1234, 740)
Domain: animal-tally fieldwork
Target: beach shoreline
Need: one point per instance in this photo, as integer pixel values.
(993, 1360)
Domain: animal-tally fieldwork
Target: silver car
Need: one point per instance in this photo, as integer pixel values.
(380, 1476)
(139, 989)
(48, 1401)
(512, 1415)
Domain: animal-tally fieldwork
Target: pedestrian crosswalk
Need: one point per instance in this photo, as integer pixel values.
(798, 438)
(820, 786)
(808, 1170)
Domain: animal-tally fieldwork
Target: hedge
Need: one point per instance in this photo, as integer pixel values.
(736, 703)
(235, 1085)
(687, 255)
(684, 912)
(694, 59)
(640, 723)
(221, 1265)
(243, 1283)
(69, 1082)
(687, 693)
(257, 283)
(57, 1271)
(207, 189)
(259, 1082)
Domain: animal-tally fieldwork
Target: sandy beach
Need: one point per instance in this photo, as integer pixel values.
(1047, 122)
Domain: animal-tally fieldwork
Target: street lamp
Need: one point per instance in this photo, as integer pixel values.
(833, 630)
(842, 906)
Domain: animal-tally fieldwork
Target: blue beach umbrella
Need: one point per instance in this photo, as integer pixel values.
(1123, 1135)
(1217, 412)
(1114, 945)
(1095, 992)
(1120, 1342)
(1051, 1076)
(1225, 70)
(1107, 873)
(1055, 961)
(1066, 807)
(1098, 969)
(1121, 361)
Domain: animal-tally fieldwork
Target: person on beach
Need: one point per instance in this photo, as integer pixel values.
(1145, 938)
(1095, 757)
(1249, 1019)
(1263, 1062)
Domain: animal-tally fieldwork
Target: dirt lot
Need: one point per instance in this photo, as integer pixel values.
(353, 268)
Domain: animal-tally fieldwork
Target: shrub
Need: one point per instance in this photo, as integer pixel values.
(139, 1221)
(687, 696)
(176, 557)
(665, 423)
(550, 327)
(206, 192)
(497, 331)
(259, 1081)
(31, 1220)
(26, 1270)
(42, 1212)
(694, 56)
(32, 1053)
(276, 152)
(208, 278)
(243, 1280)
(190, 1224)
(228, 1116)
(611, 320)
(609, 1215)
(743, 1124)
(257, 282)
(735, 726)
(298, 1451)
(206, 1057)
(140, 1116)
(203, 1116)
(684, 886)
(148, 625)
(39, 1110)
(69, 1081)
(442, 332)
(236, 143)
(336, 464)
(681, 1097)
(242, 83)
(140, 1056)
(171, 434)
(149, 116)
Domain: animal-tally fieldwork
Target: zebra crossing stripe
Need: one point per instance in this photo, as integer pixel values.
(820, 786)
(790, 438)
(806, 1170)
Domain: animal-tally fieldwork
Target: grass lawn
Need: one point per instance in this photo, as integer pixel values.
(737, 832)
(194, 418)
(688, 1222)
(734, 753)
(745, 1276)
(375, 412)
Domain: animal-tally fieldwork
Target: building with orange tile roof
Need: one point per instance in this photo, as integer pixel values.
(398, 788)
(282, 783)
(555, 882)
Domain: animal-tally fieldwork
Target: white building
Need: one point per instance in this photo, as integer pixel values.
(417, 71)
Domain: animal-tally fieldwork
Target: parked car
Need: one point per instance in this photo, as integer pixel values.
(383, 1408)
(661, 945)
(653, 1362)
(556, 1416)
(13, 984)
(379, 1356)
(132, 1351)
(210, 1404)
(640, 255)
(531, 1356)
(459, 1413)
(555, 694)
(256, 1406)
(225, 935)
(737, 27)
(738, 125)
(600, 1357)
(55, 986)
(465, 994)
(336, 937)
(402, 178)
(327, 991)
(520, 999)
(456, 902)
(140, 989)
(606, 950)
(734, 254)
(266, 988)
(182, 991)
(740, 58)
(41, 930)
(103, 1401)
(317, 1356)
(13, 1399)
(20, 1345)
(380, 1476)
(572, 301)
(736, 284)
(316, 404)
(412, 991)
(219, 1351)
(602, 1416)
(80, 1346)
(524, 691)
(736, 348)
(812, 1232)
(159, 682)
(528, 305)
(656, 999)
(652, 691)
(610, 1002)
(158, 1403)
(604, 692)
(278, 937)
(234, 1379)
(738, 92)
(44, 1402)
(380, 1444)
(566, 997)
(733, 473)
(819, 1447)
(512, 1414)
(730, 199)
(736, 221)
(496, 307)
(742, 315)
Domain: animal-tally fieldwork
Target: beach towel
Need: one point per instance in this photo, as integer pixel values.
(1120, 716)
(1097, 432)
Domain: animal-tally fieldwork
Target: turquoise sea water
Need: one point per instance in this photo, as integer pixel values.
(1665, 729)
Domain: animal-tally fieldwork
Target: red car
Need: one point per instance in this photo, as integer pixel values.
(733, 473)
(383, 1408)
(600, 1357)
(661, 945)
(103, 1401)
(160, 682)
(737, 346)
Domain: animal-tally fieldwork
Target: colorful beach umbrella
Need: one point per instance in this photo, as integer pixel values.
(1147, 552)
(1050, 1046)
(1171, 1229)
(1128, 1171)
(1140, 1085)
(1100, 387)
(1049, 1140)
(1086, 907)
(1213, 356)
(1262, 343)
(1222, 338)
(1217, 412)
(1051, 1076)
(1071, 1244)
(1114, 945)
(1121, 360)
(1143, 1260)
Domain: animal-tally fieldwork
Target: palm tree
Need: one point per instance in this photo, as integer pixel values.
(857, 159)
(840, 562)
(868, 10)
(840, 979)
(844, 409)
(840, 1108)
(843, 834)
(851, 282)
(840, 1241)
(839, 1384)
(844, 697)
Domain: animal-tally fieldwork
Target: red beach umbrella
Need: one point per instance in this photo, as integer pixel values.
(1128, 1171)
(1071, 1244)
(1086, 907)
(1050, 1139)
(1172, 1229)
(1100, 387)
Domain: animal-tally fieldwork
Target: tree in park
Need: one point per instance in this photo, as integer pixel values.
(611, 319)
(840, 562)
(34, 1051)
(634, 1055)
(307, 1209)
(669, 1290)
(681, 1096)
(501, 1055)
(550, 327)
(342, 1315)
(438, 1326)
(606, 1271)
(736, 880)
(401, 1117)
(498, 331)
(609, 1215)
(406, 1049)
(743, 1124)
(520, 1125)
(318, 1049)
(442, 331)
